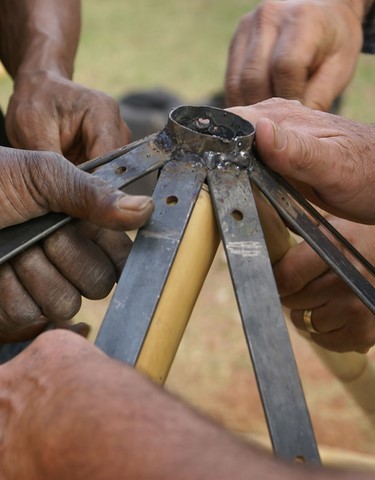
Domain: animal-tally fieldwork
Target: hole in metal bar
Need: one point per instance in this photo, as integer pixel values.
(172, 200)
(120, 170)
(237, 215)
(300, 459)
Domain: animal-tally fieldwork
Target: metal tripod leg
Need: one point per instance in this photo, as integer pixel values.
(263, 321)
(132, 308)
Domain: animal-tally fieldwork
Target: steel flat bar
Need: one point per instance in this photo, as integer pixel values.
(121, 170)
(323, 222)
(267, 337)
(140, 287)
(96, 162)
(294, 214)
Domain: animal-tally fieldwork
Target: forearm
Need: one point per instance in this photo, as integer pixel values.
(124, 426)
(39, 35)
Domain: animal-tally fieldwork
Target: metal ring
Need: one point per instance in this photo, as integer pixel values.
(307, 320)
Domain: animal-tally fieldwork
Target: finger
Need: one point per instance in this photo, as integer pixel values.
(319, 320)
(52, 183)
(28, 128)
(303, 158)
(290, 73)
(335, 74)
(341, 341)
(256, 71)
(20, 318)
(281, 111)
(103, 129)
(297, 268)
(57, 298)
(337, 313)
(237, 53)
(356, 335)
(81, 328)
(81, 262)
(116, 245)
(328, 287)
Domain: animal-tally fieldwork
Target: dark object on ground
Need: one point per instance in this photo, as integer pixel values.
(147, 111)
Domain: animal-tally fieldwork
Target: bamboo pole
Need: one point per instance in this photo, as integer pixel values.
(356, 373)
(192, 263)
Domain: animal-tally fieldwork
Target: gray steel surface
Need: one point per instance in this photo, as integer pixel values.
(263, 321)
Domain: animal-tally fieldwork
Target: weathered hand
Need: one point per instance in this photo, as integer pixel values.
(305, 282)
(327, 157)
(70, 412)
(58, 379)
(50, 112)
(293, 49)
(82, 259)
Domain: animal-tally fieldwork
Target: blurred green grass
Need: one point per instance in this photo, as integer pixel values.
(180, 46)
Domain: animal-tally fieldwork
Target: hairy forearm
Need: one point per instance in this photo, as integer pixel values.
(39, 35)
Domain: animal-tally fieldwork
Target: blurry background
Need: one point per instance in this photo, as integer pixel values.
(182, 47)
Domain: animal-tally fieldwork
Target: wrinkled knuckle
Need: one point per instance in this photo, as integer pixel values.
(233, 92)
(44, 164)
(274, 103)
(232, 84)
(64, 305)
(308, 152)
(23, 115)
(20, 325)
(11, 323)
(250, 76)
(284, 66)
(100, 282)
(267, 12)
(252, 82)
(106, 101)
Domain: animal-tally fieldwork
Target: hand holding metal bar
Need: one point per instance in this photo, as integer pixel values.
(198, 144)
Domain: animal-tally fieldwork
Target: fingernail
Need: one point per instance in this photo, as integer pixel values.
(134, 202)
(279, 137)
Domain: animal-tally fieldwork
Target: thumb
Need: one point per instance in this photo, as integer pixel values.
(38, 182)
(288, 154)
(83, 196)
(307, 161)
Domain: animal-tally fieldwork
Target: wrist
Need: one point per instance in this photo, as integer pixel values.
(50, 33)
(43, 55)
